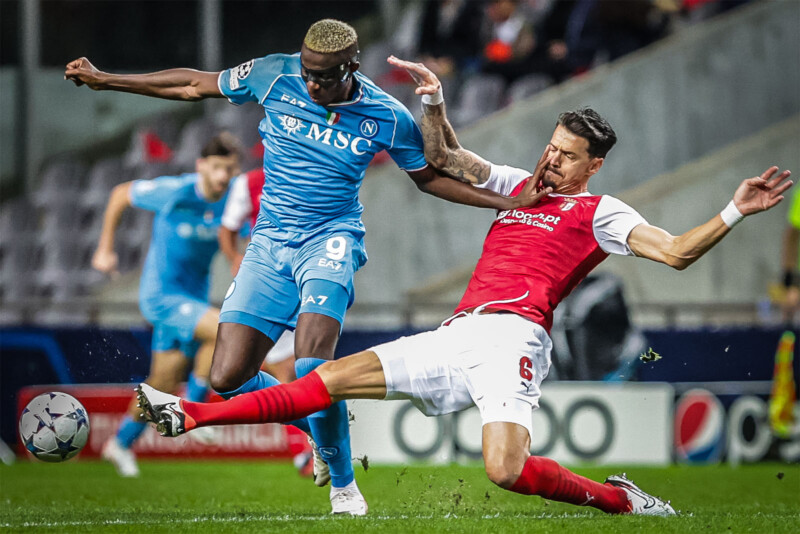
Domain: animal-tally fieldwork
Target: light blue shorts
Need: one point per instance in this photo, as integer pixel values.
(267, 290)
(174, 318)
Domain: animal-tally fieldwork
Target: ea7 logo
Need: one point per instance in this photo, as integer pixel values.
(318, 300)
(292, 100)
(335, 265)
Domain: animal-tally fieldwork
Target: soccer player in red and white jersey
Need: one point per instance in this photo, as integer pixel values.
(495, 351)
(242, 206)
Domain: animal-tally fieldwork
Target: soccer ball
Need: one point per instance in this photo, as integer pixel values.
(54, 426)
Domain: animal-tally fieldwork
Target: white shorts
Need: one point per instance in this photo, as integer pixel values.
(496, 361)
(283, 348)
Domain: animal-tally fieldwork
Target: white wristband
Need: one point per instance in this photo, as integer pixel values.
(433, 100)
(731, 215)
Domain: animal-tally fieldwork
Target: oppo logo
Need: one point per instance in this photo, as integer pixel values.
(555, 429)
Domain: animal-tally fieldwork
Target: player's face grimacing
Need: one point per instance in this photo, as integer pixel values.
(568, 166)
(216, 173)
(328, 77)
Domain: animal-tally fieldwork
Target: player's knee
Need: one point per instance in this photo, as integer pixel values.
(223, 379)
(334, 376)
(502, 472)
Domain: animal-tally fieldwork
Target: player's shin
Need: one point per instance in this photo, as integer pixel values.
(331, 432)
(196, 388)
(546, 478)
(278, 404)
(129, 431)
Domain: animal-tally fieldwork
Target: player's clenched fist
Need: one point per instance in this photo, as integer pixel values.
(81, 71)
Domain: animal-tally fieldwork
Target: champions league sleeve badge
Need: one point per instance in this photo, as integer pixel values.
(240, 73)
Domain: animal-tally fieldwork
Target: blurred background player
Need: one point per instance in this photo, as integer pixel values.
(173, 292)
(324, 123)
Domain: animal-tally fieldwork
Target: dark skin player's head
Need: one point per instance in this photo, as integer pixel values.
(328, 58)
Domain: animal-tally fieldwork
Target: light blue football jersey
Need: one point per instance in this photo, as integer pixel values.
(315, 157)
(184, 238)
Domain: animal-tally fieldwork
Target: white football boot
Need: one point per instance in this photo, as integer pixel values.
(162, 409)
(123, 460)
(641, 503)
(348, 500)
(322, 473)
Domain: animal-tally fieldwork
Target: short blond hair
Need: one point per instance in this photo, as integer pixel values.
(329, 36)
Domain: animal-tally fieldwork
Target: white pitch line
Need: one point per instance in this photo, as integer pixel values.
(284, 518)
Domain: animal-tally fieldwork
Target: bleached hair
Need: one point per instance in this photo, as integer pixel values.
(328, 36)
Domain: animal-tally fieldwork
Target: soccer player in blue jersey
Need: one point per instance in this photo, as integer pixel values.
(173, 291)
(324, 121)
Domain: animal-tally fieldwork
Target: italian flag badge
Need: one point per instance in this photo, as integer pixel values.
(332, 118)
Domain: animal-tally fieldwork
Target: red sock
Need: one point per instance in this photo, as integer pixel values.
(544, 477)
(276, 404)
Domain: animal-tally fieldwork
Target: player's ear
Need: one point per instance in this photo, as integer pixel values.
(198, 164)
(353, 65)
(595, 165)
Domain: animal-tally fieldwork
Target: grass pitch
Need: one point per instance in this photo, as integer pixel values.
(177, 497)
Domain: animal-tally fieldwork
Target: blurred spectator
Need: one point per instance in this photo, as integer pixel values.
(623, 27)
(511, 40)
(576, 33)
(450, 36)
(698, 10)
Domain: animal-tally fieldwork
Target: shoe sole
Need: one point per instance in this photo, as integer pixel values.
(149, 412)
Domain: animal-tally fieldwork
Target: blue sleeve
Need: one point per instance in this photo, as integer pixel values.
(250, 81)
(406, 149)
(154, 194)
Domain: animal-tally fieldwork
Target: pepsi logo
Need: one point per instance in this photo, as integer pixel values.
(699, 427)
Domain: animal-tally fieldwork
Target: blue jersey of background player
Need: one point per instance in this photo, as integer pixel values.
(301, 269)
(173, 290)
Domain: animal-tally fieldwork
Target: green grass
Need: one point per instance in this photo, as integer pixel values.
(176, 497)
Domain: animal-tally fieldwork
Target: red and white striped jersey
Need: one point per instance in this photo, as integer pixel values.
(534, 257)
(244, 200)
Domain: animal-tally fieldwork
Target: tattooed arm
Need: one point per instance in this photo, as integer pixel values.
(441, 145)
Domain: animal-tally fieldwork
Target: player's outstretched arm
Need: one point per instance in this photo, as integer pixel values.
(105, 259)
(431, 182)
(172, 84)
(442, 149)
(753, 195)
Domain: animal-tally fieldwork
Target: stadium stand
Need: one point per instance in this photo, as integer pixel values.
(74, 189)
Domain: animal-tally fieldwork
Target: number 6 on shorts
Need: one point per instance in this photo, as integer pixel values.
(336, 247)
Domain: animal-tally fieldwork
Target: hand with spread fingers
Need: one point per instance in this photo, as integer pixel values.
(761, 192)
(426, 80)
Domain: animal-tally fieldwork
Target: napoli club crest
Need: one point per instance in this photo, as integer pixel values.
(368, 128)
